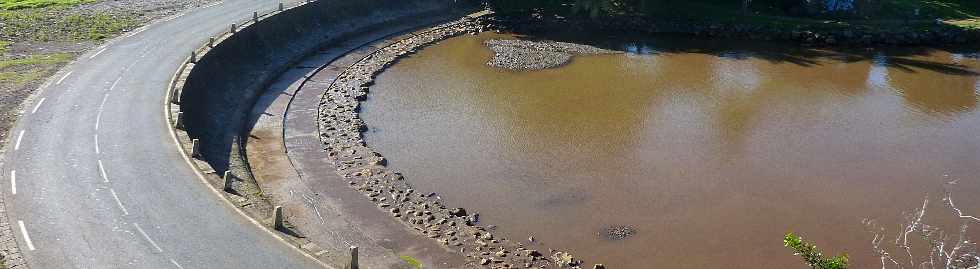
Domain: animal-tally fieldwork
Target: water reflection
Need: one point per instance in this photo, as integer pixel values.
(707, 148)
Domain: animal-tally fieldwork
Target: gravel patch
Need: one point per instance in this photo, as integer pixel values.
(523, 55)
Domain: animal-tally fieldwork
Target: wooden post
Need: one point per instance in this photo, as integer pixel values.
(229, 180)
(353, 258)
(196, 148)
(179, 121)
(279, 219)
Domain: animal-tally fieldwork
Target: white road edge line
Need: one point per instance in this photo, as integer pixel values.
(13, 182)
(102, 105)
(97, 144)
(63, 78)
(97, 53)
(20, 138)
(147, 237)
(174, 262)
(114, 83)
(38, 105)
(119, 203)
(27, 238)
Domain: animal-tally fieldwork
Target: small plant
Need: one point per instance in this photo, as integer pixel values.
(811, 255)
(412, 261)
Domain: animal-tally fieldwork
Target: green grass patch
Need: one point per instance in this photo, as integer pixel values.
(24, 4)
(412, 261)
(57, 24)
(36, 60)
(17, 72)
(3, 46)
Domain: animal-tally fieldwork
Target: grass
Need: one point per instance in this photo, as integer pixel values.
(25, 4)
(57, 24)
(3, 46)
(18, 72)
(415, 263)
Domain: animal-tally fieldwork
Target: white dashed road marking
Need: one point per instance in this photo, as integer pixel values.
(147, 237)
(38, 105)
(97, 144)
(20, 138)
(13, 182)
(27, 238)
(119, 203)
(105, 177)
(176, 264)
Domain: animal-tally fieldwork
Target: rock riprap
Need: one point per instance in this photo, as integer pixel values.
(523, 55)
(341, 134)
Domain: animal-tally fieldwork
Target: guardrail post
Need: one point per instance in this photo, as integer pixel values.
(196, 148)
(353, 258)
(175, 96)
(281, 6)
(179, 121)
(229, 179)
(234, 28)
(279, 219)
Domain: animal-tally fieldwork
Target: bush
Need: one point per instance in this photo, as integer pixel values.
(811, 255)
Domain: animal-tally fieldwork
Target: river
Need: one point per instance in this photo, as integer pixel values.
(711, 150)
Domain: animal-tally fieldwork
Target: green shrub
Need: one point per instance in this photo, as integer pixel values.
(811, 255)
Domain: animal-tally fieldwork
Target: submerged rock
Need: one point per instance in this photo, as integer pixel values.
(618, 232)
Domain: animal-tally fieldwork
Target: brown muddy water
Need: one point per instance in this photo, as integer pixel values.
(711, 152)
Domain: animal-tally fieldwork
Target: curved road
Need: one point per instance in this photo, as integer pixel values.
(92, 178)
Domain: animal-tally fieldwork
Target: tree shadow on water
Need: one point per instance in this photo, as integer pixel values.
(907, 59)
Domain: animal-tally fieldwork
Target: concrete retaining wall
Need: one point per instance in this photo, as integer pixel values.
(224, 83)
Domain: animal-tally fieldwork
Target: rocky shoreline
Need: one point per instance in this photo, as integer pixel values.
(522, 55)
(455, 228)
(935, 35)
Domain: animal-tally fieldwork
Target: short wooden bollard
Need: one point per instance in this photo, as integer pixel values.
(279, 219)
(353, 258)
(211, 42)
(179, 121)
(193, 57)
(229, 180)
(255, 16)
(196, 148)
(281, 6)
(234, 28)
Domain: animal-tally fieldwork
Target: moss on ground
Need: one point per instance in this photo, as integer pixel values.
(412, 261)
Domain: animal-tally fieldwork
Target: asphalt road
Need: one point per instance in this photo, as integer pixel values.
(94, 180)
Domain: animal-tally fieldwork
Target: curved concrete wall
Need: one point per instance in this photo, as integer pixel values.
(224, 83)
